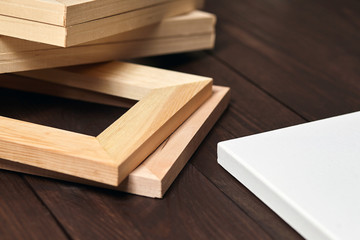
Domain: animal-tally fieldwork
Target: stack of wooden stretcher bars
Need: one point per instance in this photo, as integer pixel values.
(44, 48)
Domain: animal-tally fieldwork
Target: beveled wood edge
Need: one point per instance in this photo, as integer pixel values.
(148, 179)
(43, 141)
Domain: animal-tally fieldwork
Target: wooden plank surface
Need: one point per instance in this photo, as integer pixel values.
(317, 61)
(16, 214)
(288, 63)
(104, 214)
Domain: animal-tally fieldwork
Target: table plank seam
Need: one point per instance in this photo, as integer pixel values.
(62, 228)
(242, 210)
(233, 69)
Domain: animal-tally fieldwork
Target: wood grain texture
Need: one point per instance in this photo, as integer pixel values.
(115, 78)
(49, 11)
(98, 213)
(104, 52)
(110, 157)
(305, 69)
(55, 149)
(307, 81)
(106, 214)
(319, 61)
(256, 66)
(79, 11)
(155, 175)
(17, 82)
(128, 21)
(250, 111)
(195, 22)
(190, 32)
(69, 12)
(16, 214)
(95, 29)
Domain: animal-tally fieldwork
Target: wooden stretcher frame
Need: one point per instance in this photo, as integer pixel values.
(166, 99)
(189, 32)
(153, 177)
(86, 24)
(70, 12)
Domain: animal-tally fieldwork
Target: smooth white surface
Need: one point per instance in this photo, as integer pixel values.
(308, 174)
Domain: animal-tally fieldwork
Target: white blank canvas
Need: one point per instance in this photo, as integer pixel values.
(308, 174)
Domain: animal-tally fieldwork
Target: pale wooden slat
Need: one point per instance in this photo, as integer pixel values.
(55, 149)
(115, 78)
(37, 86)
(105, 52)
(49, 11)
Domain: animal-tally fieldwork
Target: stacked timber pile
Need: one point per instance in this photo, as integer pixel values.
(39, 36)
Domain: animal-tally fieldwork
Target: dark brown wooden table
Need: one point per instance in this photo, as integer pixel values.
(287, 62)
